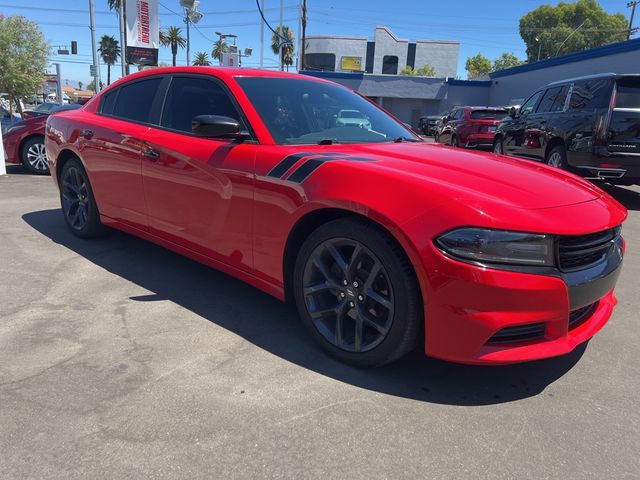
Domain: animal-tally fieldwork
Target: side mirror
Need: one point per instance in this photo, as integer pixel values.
(216, 126)
(513, 112)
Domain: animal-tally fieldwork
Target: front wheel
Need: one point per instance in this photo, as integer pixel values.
(557, 157)
(78, 203)
(454, 141)
(497, 146)
(357, 294)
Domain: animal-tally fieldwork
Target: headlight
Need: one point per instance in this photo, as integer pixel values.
(498, 247)
(14, 128)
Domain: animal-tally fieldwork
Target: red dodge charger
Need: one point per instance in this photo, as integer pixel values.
(382, 241)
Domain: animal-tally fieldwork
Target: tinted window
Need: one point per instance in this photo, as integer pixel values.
(189, 97)
(298, 111)
(390, 64)
(590, 94)
(488, 114)
(459, 114)
(628, 93)
(135, 100)
(549, 98)
(320, 61)
(530, 104)
(108, 101)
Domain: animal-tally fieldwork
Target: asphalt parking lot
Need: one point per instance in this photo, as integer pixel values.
(119, 359)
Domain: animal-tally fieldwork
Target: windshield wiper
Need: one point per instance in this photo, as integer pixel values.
(404, 139)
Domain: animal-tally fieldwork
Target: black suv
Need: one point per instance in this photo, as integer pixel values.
(588, 125)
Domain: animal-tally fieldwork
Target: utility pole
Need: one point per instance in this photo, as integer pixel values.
(123, 39)
(188, 21)
(281, 39)
(92, 27)
(261, 37)
(631, 5)
(304, 34)
(58, 84)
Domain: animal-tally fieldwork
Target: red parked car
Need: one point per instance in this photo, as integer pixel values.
(470, 126)
(24, 141)
(384, 242)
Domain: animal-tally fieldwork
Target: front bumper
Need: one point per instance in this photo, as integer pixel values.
(469, 305)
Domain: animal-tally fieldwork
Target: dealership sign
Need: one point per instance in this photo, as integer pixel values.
(353, 64)
(142, 32)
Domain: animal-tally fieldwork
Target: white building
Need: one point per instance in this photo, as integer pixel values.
(385, 55)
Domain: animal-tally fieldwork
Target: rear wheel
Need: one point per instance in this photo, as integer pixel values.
(454, 141)
(557, 157)
(78, 203)
(357, 294)
(33, 155)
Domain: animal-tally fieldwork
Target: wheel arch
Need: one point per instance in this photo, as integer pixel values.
(310, 221)
(63, 157)
(553, 143)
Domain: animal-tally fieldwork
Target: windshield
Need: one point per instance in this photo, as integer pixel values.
(628, 95)
(298, 112)
(488, 114)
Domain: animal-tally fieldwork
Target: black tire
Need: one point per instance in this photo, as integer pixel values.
(436, 138)
(498, 147)
(79, 207)
(33, 157)
(454, 141)
(557, 157)
(381, 291)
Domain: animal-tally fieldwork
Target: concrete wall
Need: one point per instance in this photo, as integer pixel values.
(339, 46)
(441, 55)
(520, 83)
(388, 44)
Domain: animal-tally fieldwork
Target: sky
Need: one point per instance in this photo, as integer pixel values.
(487, 26)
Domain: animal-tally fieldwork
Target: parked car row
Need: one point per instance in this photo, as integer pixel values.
(24, 140)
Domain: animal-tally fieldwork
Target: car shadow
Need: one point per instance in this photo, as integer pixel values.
(627, 197)
(274, 326)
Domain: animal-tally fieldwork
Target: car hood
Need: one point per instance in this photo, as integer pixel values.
(471, 176)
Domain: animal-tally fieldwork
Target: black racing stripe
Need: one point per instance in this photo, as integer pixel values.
(306, 169)
(285, 164)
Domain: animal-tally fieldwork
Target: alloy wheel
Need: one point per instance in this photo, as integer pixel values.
(555, 160)
(75, 198)
(348, 295)
(37, 158)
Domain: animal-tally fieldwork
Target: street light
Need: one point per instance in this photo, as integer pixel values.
(539, 47)
(191, 15)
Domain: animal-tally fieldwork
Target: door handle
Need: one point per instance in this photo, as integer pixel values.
(151, 154)
(87, 133)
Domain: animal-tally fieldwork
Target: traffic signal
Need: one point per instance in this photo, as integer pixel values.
(74, 47)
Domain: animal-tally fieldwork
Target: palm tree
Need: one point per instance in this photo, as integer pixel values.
(287, 48)
(109, 51)
(173, 38)
(201, 59)
(219, 47)
(114, 4)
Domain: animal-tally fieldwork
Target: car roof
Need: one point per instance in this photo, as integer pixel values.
(595, 76)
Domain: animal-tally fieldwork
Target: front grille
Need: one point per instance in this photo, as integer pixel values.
(581, 251)
(518, 333)
(579, 316)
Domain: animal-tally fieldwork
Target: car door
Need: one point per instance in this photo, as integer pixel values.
(540, 125)
(199, 191)
(447, 126)
(514, 131)
(111, 143)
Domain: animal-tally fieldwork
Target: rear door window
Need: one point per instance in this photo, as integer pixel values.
(590, 94)
(135, 100)
(553, 100)
(108, 102)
